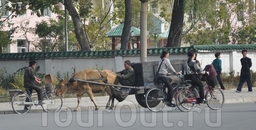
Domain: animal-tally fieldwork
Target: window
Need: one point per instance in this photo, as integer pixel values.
(240, 13)
(3, 11)
(47, 12)
(22, 46)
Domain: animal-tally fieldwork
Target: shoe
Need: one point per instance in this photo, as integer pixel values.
(249, 91)
(238, 91)
(25, 109)
(201, 101)
(40, 103)
(170, 104)
(223, 89)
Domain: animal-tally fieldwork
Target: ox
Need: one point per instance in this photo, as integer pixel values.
(79, 88)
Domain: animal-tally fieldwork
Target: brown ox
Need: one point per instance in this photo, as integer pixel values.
(79, 88)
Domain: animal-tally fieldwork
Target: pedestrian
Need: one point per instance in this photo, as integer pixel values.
(245, 75)
(217, 64)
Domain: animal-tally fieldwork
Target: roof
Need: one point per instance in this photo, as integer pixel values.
(117, 31)
(113, 53)
(88, 54)
(225, 47)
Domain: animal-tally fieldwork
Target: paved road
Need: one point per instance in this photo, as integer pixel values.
(240, 116)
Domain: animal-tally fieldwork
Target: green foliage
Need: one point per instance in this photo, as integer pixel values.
(97, 29)
(209, 22)
(52, 30)
(119, 12)
(247, 34)
(18, 81)
(96, 67)
(253, 77)
(5, 39)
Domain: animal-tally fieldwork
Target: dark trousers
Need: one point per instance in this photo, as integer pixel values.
(219, 80)
(167, 82)
(243, 78)
(123, 81)
(29, 89)
(196, 82)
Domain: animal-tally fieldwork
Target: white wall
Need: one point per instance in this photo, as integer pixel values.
(230, 61)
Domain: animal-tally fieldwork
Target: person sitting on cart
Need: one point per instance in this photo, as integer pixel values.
(211, 79)
(164, 69)
(126, 77)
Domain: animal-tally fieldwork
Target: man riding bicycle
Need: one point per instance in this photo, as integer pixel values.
(29, 82)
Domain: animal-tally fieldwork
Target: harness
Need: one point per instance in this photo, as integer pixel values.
(102, 78)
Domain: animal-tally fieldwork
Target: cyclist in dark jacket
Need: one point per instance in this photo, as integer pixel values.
(191, 71)
(29, 82)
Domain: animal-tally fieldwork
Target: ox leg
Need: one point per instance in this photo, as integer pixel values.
(111, 97)
(78, 102)
(108, 104)
(112, 103)
(92, 99)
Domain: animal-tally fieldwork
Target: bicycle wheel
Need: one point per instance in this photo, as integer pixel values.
(52, 102)
(215, 98)
(155, 99)
(181, 97)
(21, 103)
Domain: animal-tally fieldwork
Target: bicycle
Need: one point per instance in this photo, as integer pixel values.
(155, 96)
(186, 98)
(22, 101)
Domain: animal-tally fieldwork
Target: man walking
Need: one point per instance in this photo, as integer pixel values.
(217, 66)
(245, 72)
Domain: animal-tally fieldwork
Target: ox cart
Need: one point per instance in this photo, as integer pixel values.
(151, 95)
(147, 93)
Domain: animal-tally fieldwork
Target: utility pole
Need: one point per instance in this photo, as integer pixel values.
(143, 30)
(66, 26)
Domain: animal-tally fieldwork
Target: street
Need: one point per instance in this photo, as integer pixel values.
(231, 117)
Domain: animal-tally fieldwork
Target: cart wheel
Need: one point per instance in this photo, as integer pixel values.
(141, 99)
(155, 99)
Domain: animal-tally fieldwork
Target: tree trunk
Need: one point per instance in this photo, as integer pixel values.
(127, 25)
(175, 34)
(78, 25)
(1, 51)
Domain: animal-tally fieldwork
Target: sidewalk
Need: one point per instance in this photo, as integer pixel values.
(70, 103)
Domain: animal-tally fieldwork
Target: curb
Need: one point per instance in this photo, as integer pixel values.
(132, 103)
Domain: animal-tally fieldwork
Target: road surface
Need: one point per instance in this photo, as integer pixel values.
(230, 117)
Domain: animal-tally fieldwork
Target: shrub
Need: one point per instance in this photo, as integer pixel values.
(18, 81)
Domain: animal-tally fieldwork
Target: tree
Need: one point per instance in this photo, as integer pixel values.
(126, 34)
(53, 31)
(175, 34)
(38, 7)
(5, 39)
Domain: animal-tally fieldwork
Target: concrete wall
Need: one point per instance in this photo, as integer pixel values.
(61, 66)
